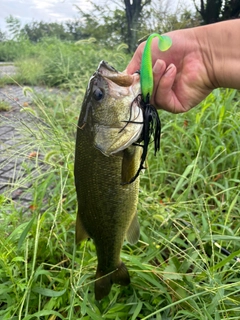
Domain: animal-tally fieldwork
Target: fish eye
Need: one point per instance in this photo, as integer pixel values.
(98, 94)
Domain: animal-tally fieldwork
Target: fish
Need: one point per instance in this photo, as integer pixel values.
(107, 156)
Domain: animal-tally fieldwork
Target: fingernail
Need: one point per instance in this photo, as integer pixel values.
(158, 66)
(169, 70)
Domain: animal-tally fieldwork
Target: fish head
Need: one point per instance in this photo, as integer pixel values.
(111, 109)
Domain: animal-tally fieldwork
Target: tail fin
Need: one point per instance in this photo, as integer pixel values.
(104, 281)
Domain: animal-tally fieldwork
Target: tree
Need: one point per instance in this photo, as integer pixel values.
(3, 36)
(210, 10)
(218, 10)
(105, 25)
(124, 22)
(75, 29)
(160, 18)
(39, 29)
(231, 9)
(133, 10)
(14, 27)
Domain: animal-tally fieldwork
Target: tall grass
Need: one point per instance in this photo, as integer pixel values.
(188, 202)
(12, 50)
(52, 62)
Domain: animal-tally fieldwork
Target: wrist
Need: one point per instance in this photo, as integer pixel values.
(220, 47)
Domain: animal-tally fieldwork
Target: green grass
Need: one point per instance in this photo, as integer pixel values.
(189, 198)
(4, 106)
(52, 62)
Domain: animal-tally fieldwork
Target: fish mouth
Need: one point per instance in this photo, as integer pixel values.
(120, 78)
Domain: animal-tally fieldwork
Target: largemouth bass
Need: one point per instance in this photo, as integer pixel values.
(106, 159)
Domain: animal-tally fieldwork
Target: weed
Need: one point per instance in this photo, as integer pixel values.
(4, 106)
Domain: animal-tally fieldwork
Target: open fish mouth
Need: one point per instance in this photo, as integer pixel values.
(123, 80)
(120, 78)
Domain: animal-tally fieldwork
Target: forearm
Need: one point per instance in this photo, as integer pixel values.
(220, 46)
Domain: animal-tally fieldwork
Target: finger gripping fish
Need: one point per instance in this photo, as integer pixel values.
(105, 161)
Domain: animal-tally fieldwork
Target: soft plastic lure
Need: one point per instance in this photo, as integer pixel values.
(146, 75)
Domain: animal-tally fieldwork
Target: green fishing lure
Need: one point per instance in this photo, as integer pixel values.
(146, 75)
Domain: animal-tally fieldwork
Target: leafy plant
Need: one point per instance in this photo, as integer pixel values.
(4, 106)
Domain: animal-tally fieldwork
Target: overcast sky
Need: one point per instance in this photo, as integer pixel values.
(49, 10)
(46, 10)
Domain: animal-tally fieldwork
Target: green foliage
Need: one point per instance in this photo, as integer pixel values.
(126, 24)
(14, 26)
(53, 63)
(2, 36)
(4, 106)
(12, 50)
(189, 198)
(35, 31)
(161, 21)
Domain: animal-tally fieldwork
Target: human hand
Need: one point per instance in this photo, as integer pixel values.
(181, 78)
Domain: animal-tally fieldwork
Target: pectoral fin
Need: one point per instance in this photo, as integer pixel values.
(133, 232)
(80, 233)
